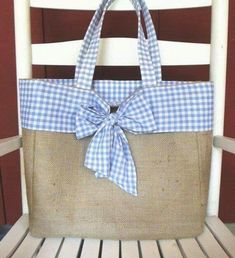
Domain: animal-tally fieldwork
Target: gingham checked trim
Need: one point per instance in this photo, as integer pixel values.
(58, 108)
(148, 49)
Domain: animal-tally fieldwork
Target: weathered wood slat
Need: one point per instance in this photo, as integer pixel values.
(70, 248)
(170, 249)
(210, 245)
(10, 144)
(14, 237)
(118, 5)
(120, 52)
(110, 249)
(149, 249)
(28, 247)
(130, 249)
(225, 143)
(223, 235)
(90, 248)
(49, 248)
(190, 248)
(215, 242)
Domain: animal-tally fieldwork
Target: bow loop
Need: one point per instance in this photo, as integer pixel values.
(137, 116)
(89, 117)
(108, 153)
(111, 119)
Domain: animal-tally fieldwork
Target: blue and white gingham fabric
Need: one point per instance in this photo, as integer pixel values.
(148, 50)
(82, 106)
(57, 108)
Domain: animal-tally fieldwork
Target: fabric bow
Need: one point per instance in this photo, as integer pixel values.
(108, 153)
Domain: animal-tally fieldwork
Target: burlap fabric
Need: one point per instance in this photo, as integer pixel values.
(65, 198)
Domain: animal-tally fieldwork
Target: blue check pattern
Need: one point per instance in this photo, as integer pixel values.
(148, 49)
(83, 106)
(53, 107)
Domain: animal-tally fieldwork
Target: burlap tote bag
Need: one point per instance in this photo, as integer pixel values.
(140, 172)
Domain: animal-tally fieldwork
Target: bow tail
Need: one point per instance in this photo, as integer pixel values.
(123, 172)
(99, 152)
(109, 155)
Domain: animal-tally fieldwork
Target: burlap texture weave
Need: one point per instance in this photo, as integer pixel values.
(65, 198)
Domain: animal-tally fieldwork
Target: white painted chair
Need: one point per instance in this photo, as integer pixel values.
(216, 241)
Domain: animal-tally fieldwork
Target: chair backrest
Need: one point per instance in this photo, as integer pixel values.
(172, 53)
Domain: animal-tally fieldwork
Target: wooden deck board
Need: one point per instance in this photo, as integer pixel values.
(28, 247)
(215, 242)
(90, 248)
(149, 249)
(190, 248)
(50, 248)
(209, 244)
(170, 249)
(110, 249)
(70, 248)
(14, 237)
(130, 249)
(223, 235)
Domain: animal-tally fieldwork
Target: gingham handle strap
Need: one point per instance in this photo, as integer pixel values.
(148, 49)
(97, 17)
(87, 59)
(88, 67)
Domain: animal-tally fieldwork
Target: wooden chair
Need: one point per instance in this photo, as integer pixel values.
(216, 241)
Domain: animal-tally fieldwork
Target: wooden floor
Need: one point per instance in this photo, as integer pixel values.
(216, 242)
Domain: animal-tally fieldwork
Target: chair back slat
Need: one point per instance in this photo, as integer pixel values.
(118, 5)
(120, 52)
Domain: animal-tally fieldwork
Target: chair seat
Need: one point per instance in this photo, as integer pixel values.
(216, 242)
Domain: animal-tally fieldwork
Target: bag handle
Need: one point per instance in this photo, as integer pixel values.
(87, 58)
(97, 17)
(148, 50)
(96, 21)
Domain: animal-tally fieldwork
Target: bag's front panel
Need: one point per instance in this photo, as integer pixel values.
(66, 199)
(29, 144)
(170, 153)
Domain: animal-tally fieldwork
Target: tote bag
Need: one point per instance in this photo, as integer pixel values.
(138, 173)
